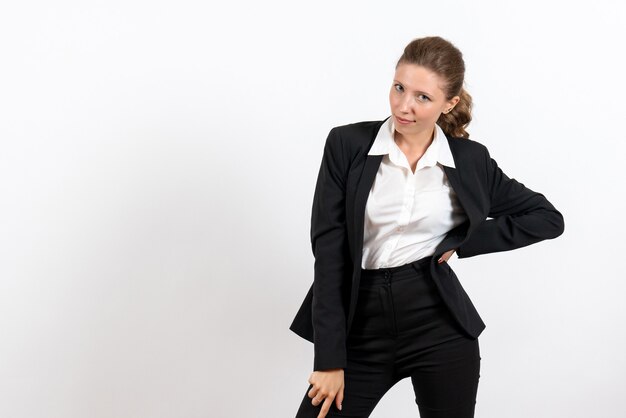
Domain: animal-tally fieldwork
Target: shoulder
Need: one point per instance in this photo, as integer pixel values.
(466, 145)
(467, 151)
(356, 130)
(354, 138)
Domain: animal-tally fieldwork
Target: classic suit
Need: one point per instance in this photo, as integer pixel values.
(520, 217)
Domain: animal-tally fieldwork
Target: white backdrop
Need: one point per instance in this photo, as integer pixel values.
(157, 168)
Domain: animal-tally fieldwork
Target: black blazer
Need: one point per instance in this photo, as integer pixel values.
(518, 216)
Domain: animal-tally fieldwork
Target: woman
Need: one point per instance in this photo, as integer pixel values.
(394, 200)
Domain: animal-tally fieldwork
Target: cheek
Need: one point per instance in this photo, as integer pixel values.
(428, 112)
(392, 99)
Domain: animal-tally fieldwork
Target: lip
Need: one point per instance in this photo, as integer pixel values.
(403, 121)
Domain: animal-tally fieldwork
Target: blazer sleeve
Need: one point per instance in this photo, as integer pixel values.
(330, 249)
(520, 215)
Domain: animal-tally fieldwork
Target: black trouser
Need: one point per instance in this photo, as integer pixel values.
(402, 328)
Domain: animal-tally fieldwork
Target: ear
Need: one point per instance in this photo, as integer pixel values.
(453, 101)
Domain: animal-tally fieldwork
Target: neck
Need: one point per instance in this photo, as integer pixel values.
(418, 141)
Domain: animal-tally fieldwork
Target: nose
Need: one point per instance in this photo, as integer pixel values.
(405, 104)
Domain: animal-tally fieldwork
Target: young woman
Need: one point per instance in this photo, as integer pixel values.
(394, 200)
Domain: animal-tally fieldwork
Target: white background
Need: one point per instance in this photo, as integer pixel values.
(157, 169)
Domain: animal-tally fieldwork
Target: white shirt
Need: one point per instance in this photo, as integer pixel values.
(408, 214)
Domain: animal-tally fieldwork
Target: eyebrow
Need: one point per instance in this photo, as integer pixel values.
(416, 91)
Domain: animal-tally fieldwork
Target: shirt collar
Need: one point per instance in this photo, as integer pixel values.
(437, 151)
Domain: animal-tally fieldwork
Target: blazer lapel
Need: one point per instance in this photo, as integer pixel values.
(372, 162)
(458, 182)
(462, 194)
(364, 185)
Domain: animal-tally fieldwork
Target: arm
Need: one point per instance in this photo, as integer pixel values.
(520, 215)
(330, 248)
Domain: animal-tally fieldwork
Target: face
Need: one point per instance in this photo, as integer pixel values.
(416, 96)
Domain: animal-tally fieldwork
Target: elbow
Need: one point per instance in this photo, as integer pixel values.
(557, 225)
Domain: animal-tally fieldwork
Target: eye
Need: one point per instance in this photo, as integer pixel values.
(399, 88)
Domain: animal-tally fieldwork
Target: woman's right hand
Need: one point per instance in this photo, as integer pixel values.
(327, 386)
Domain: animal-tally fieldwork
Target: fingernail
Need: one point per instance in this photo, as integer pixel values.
(340, 406)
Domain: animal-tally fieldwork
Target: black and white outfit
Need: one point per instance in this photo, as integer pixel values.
(381, 307)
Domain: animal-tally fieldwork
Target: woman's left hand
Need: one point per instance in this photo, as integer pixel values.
(446, 256)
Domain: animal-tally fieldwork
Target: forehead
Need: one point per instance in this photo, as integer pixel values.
(419, 79)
